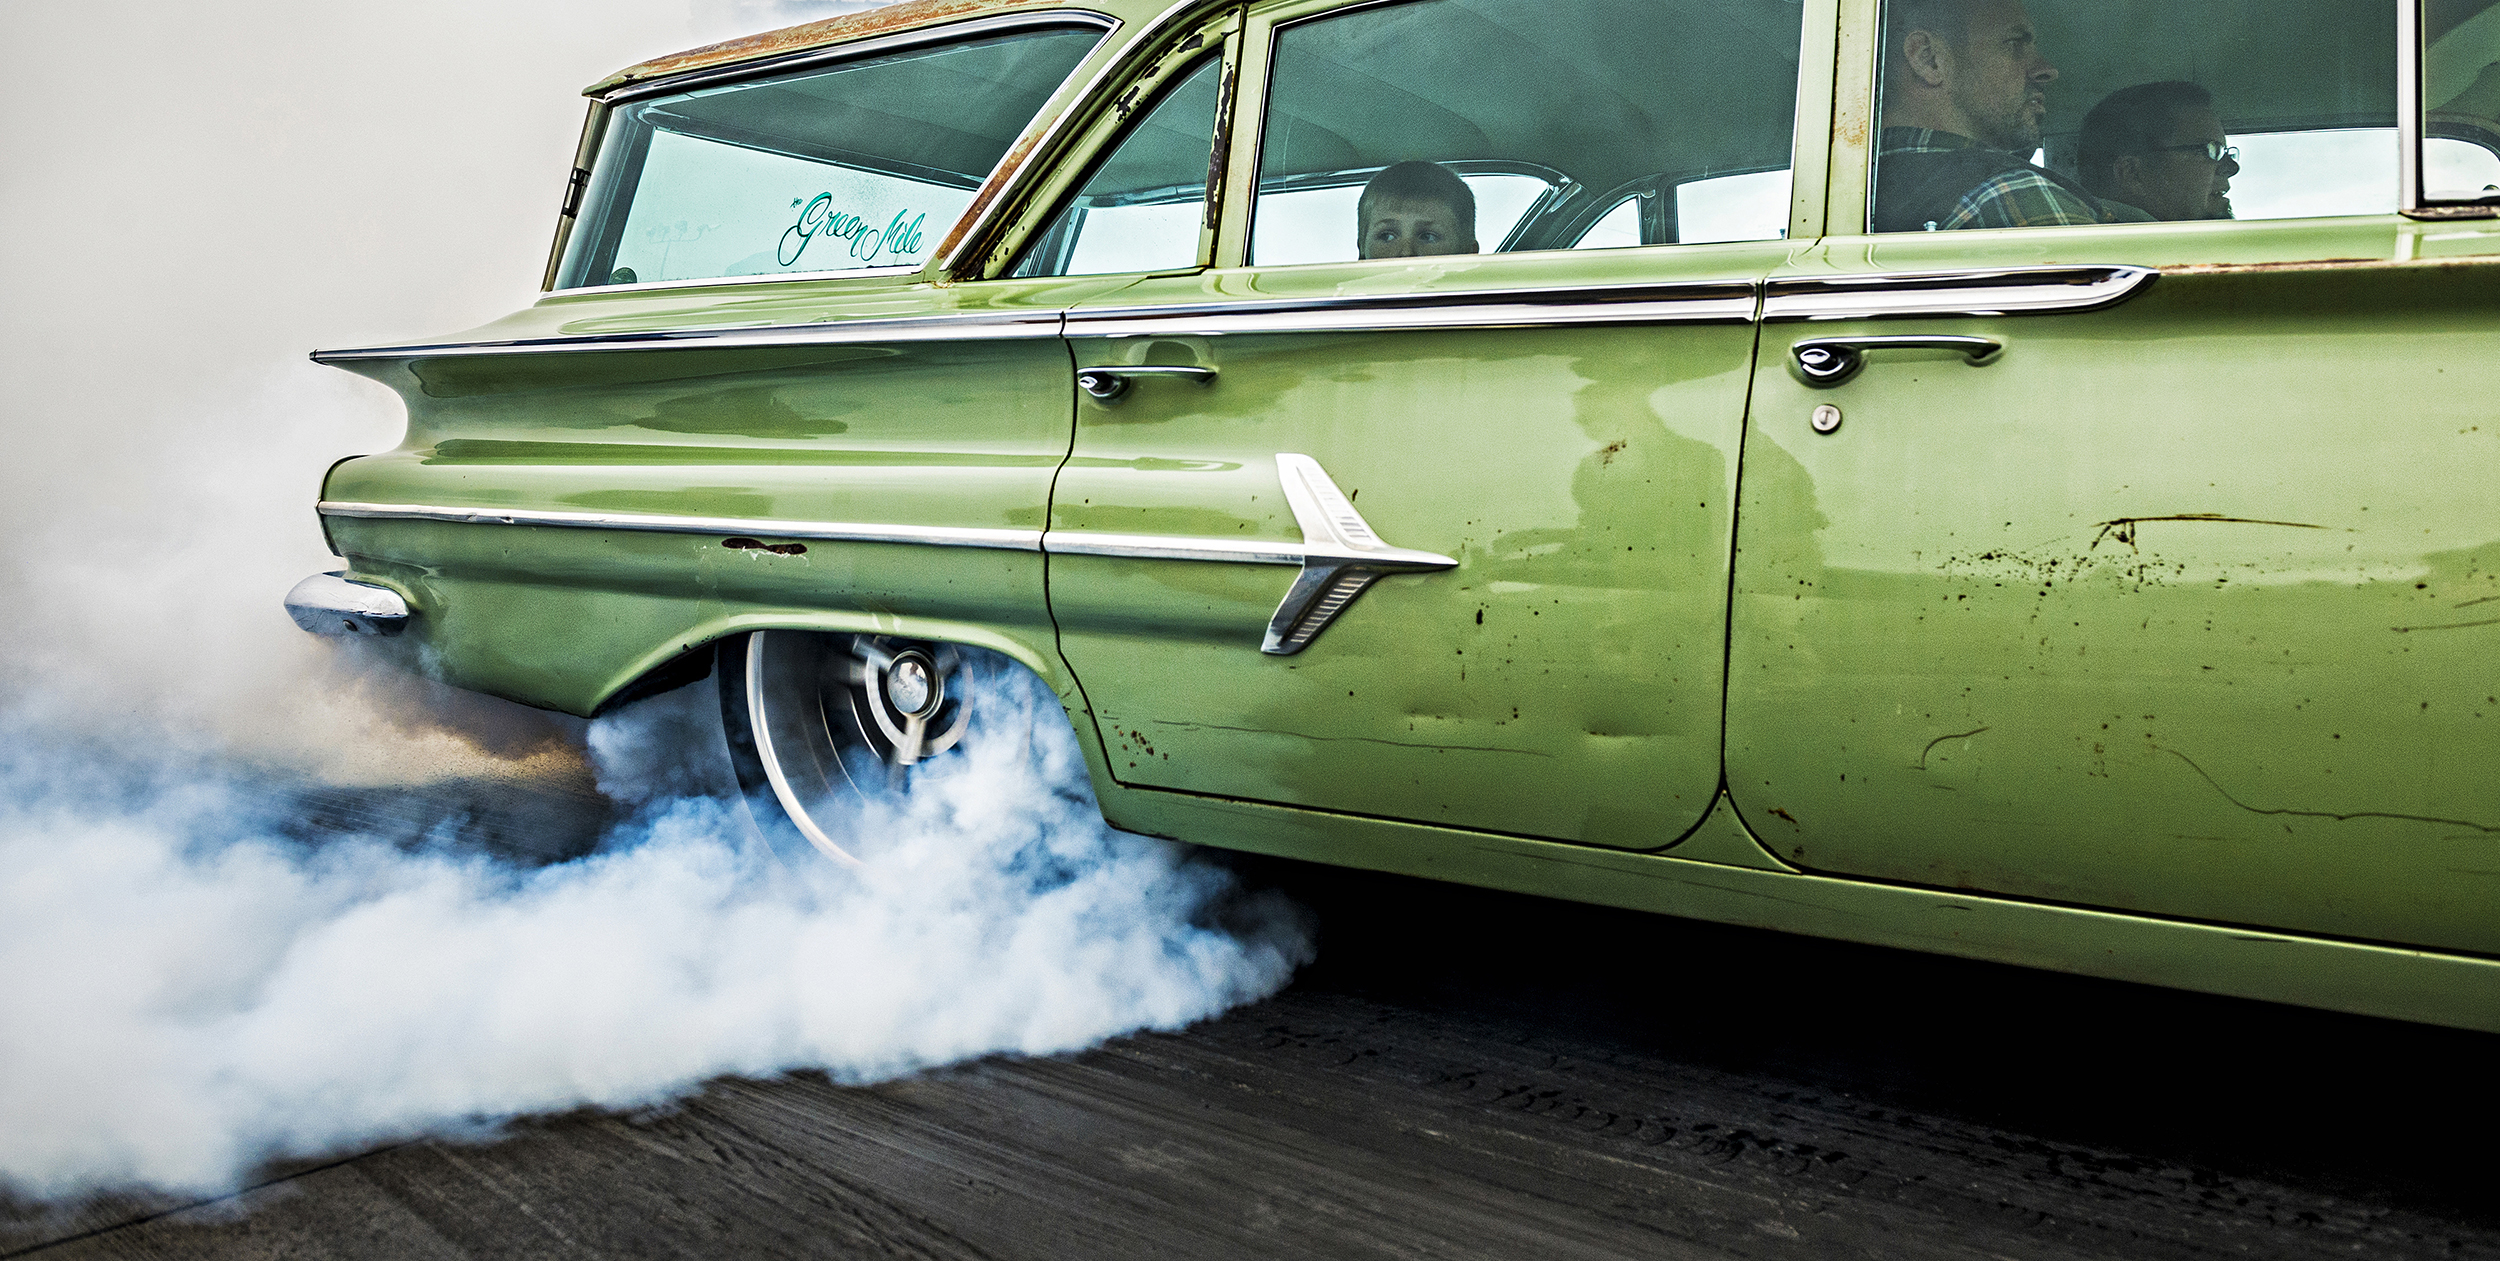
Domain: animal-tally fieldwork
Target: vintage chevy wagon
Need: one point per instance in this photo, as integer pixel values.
(2021, 483)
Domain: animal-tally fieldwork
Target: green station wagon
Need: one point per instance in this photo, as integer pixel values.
(2019, 482)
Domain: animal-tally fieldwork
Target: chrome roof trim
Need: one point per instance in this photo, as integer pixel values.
(708, 76)
(1707, 302)
(2012, 291)
(982, 326)
(664, 523)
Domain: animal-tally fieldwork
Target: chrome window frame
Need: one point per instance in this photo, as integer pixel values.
(2412, 130)
(1177, 68)
(959, 256)
(595, 129)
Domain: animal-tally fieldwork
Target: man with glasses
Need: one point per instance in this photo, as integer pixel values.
(2157, 151)
(1965, 86)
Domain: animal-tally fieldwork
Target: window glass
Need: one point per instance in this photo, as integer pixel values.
(1420, 104)
(2461, 96)
(1314, 223)
(866, 164)
(2000, 114)
(1733, 207)
(1614, 229)
(1143, 206)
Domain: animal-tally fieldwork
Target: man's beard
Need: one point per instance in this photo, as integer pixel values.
(2015, 131)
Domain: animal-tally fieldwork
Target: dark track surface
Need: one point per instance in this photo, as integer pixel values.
(1467, 1074)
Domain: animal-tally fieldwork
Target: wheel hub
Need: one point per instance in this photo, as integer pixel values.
(913, 686)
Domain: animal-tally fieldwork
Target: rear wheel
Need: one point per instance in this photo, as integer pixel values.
(817, 722)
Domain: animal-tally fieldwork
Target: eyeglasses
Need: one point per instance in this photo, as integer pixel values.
(2215, 151)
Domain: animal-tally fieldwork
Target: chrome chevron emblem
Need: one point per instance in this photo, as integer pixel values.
(1340, 556)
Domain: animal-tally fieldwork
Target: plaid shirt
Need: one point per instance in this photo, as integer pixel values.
(2025, 198)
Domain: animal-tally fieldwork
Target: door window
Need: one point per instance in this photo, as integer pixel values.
(2461, 97)
(863, 165)
(1144, 206)
(1999, 114)
(1480, 126)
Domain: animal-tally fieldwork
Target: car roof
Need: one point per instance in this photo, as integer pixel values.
(910, 15)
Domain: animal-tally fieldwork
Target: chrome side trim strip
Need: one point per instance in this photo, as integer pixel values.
(1711, 302)
(1172, 547)
(2016, 291)
(1341, 556)
(985, 326)
(835, 531)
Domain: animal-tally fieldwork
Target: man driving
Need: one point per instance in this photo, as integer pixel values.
(1413, 209)
(1965, 87)
(2157, 151)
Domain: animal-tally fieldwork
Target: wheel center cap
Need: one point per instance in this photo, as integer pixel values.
(909, 685)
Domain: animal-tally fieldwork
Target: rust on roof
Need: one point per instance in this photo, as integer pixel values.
(893, 17)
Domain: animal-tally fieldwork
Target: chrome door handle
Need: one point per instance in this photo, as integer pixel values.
(1828, 361)
(1109, 383)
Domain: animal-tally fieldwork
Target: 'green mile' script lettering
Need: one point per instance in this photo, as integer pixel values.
(896, 239)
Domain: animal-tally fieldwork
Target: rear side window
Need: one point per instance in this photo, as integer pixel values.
(1478, 126)
(866, 164)
(1999, 113)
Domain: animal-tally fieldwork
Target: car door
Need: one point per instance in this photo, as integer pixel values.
(1437, 537)
(2150, 566)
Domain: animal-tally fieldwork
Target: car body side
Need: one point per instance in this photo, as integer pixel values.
(1861, 728)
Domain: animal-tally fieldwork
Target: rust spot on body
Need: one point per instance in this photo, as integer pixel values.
(2323, 264)
(1792, 819)
(806, 36)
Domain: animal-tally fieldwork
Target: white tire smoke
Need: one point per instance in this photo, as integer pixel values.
(192, 993)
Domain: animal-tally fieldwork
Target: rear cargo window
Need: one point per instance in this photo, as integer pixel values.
(866, 164)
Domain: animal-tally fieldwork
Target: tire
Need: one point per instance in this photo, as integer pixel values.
(817, 723)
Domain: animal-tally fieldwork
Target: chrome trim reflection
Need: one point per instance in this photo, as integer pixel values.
(1341, 556)
(984, 326)
(335, 604)
(1710, 302)
(1829, 361)
(1106, 384)
(2409, 108)
(1173, 547)
(665, 523)
(2015, 291)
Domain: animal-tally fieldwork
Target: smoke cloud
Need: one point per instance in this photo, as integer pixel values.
(197, 978)
(194, 991)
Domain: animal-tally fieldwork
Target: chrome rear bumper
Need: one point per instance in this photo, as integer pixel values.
(332, 604)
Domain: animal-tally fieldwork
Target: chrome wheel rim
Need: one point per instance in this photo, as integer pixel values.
(836, 719)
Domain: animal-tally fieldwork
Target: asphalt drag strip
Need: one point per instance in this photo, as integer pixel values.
(1467, 1074)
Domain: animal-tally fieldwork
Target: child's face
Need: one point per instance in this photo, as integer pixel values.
(1405, 229)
